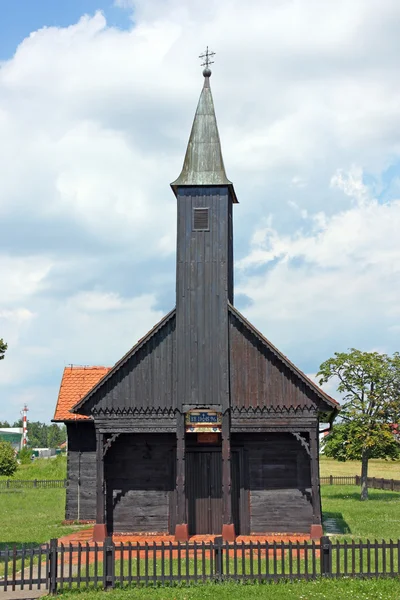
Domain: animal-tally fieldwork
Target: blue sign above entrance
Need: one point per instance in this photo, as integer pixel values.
(200, 420)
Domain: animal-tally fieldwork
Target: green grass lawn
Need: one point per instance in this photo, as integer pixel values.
(32, 516)
(42, 468)
(343, 589)
(378, 517)
(35, 515)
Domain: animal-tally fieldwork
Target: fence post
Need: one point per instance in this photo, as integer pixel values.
(8, 483)
(35, 483)
(53, 558)
(108, 563)
(218, 560)
(330, 479)
(326, 556)
(392, 485)
(358, 482)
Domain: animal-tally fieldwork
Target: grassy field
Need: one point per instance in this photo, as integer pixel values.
(389, 469)
(343, 589)
(32, 516)
(35, 516)
(379, 517)
(42, 468)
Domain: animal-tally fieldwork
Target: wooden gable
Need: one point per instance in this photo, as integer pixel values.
(262, 377)
(143, 379)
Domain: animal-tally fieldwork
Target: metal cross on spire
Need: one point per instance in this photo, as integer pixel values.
(207, 55)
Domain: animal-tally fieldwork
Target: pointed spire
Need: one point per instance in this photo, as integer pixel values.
(203, 164)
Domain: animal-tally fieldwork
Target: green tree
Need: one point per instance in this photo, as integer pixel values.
(37, 434)
(343, 443)
(370, 384)
(3, 348)
(8, 461)
(55, 436)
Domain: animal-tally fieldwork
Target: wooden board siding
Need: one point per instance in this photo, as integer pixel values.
(81, 472)
(278, 482)
(204, 285)
(139, 476)
(258, 378)
(145, 380)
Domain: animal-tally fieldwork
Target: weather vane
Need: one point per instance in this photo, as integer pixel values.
(206, 56)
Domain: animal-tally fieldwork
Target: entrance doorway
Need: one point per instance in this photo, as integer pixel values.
(204, 490)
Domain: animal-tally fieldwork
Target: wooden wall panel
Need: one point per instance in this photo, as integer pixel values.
(81, 472)
(139, 476)
(279, 483)
(146, 380)
(258, 378)
(204, 284)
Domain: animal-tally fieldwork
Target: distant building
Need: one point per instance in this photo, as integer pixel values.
(14, 435)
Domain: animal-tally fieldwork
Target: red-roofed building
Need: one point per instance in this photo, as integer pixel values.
(204, 426)
(75, 384)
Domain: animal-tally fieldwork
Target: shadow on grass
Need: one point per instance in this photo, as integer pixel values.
(334, 522)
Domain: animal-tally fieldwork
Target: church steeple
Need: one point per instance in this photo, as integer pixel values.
(203, 164)
(204, 266)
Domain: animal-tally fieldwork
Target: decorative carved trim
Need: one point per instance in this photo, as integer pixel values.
(142, 413)
(302, 441)
(109, 442)
(257, 411)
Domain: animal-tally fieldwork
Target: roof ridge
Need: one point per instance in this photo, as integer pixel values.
(309, 382)
(127, 355)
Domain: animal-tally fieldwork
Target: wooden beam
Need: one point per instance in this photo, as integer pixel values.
(100, 503)
(315, 489)
(228, 530)
(180, 469)
(100, 529)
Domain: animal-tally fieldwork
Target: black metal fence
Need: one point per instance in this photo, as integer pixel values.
(16, 484)
(57, 567)
(377, 483)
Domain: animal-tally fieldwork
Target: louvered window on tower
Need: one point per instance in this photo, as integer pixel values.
(200, 219)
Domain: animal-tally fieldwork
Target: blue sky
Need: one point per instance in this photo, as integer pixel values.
(18, 18)
(95, 113)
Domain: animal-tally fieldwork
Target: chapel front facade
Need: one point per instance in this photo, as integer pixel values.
(203, 427)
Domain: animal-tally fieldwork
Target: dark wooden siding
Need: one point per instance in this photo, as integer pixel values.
(278, 482)
(258, 377)
(139, 476)
(81, 472)
(204, 284)
(145, 380)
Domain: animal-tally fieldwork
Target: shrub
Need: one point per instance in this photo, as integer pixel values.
(8, 460)
(24, 456)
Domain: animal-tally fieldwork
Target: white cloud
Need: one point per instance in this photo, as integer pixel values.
(93, 127)
(337, 280)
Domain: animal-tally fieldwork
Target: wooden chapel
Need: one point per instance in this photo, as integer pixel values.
(203, 427)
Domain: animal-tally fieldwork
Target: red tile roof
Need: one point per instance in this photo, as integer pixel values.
(75, 384)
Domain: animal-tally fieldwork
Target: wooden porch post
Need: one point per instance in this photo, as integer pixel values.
(228, 527)
(181, 528)
(316, 527)
(100, 529)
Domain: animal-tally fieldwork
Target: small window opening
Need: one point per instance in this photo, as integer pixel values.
(200, 219)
